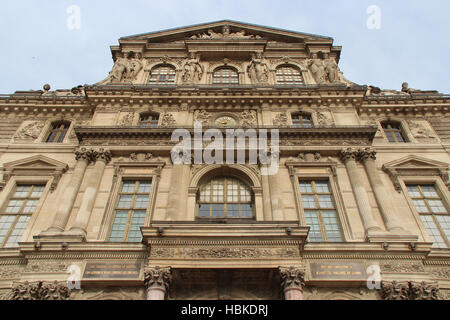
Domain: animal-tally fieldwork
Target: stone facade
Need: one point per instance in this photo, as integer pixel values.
(224, 75)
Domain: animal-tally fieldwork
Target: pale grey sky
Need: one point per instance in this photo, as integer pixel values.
(412, 44)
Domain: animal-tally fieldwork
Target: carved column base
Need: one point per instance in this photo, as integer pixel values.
(293, 294)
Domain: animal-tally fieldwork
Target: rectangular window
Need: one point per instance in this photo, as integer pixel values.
(393, 132)
(58, 132)
(131, 211)
(17, 213)
(432, 212)
(320, 211)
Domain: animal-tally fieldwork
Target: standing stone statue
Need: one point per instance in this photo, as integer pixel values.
(317, 69)
(258, 70)
(331, 68)
(118, 71)
(193, 71)
(135, 66)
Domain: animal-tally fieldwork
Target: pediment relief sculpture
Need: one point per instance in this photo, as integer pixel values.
(126, 68)
(226, 34)
(203, 116)
(420, 130)
(30, 131)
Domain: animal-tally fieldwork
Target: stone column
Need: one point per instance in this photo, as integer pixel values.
(93, 182)
(67, 199)
(368, 157)
(349, 156)
(292, 282)
(157, 281)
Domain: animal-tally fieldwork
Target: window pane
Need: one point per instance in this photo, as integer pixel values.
(309, 202)
(128, 186)
(145, 187)
(119, 225)
(444, 222)
(232, 210)
(315, 233)
(326, 202)
(306, 187)
(322, 187)
(429, 192)
(413, 191)
(17, 232)
(37, 191)
(217, 210)
(141, 202)
(246, 211)
(14, 206)
(5, 225)
(22, 191)
(433, 231)
(437, 206)
(331, 226)
(420, 206)
(125, 202)
(203, 210)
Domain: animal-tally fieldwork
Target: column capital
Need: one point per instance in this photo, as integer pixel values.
(394, 290)
(158, 278)
(367, 154)
(85, 154)
(424, 291)
(348, 154)
(103, 155)
(292, 278)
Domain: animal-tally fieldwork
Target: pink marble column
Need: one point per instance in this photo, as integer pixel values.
(157, 280)
(292, 282)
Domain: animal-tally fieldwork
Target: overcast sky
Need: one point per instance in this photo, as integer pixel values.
(411, 45)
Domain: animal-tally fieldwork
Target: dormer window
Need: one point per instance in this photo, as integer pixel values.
(302, 120)
(225, 75)
(147, 120)
(164, 74)
(393, 131)
(289, 75)
(58, 131)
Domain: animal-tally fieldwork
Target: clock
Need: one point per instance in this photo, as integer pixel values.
(225, 121)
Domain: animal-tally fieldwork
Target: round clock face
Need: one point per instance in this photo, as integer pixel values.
(225, 121)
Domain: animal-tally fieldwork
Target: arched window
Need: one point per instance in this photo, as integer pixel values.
(289, 75)
(163, 74)
(148, 120)
(302, 120)
(225, 197)
(58, 131)
(225, 75)
(393, 131)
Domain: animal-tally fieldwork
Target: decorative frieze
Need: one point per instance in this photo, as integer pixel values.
(402, 267)
(40, 290)
(224, 253)
(30, 131)
(409, 290)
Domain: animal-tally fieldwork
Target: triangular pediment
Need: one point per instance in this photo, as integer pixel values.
(411, 162)
(226, 30)
(36, 162)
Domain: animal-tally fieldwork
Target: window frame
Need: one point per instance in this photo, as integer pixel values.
(125, 170)
(323, 171)
(51, 129)
(198, 202)
(441, 190)
(283, 66)
(401, 130)
(8, 192)
(232, 69)
(158, 83)
(309, 115)
(149, 114)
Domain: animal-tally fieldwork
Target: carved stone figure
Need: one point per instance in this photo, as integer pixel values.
(167, 120)
(258, 69)
(317, 68)
(331, 68)
(125, 69)
(324, 119)
(192, 70)
(203, 116)
(419, 130)
(281, 120)
(30, 131)
(40, 291)
(135, 66)
(226, 33)
(248, 119)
